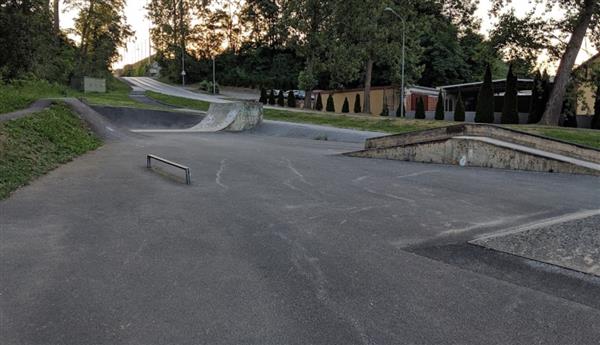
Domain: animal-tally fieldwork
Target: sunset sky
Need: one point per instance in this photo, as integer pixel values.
(138, 47)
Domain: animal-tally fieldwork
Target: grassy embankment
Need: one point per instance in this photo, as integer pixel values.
(33, 145)
(388, 125)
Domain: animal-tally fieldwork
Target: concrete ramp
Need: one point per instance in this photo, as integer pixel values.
(486, 146)
(233, 117)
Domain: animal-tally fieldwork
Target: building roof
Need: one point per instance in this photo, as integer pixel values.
(496, 81)
(595, 58)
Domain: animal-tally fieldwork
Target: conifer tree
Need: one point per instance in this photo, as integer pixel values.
(536, 96)
(346, 106)
(459, 111)
(319, 104)
(263, 96)
(596, 118)
(439, 108)
(280, 99)
(291, 100)
(420, 111)
(510, 112)
(357, 107)
(330, 105)
(272, 97)
(399, 110)
(485, 99)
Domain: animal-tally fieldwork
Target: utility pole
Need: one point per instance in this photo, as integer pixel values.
(183, 73)
(388, 9)
(214, 77)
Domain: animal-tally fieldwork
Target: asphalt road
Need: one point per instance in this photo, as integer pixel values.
(279, 241)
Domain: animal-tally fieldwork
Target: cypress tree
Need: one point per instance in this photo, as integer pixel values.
(439, 107)
(346, 106)
(281, 99)
(536, 96)
(546, 90)
(272, 97)
(330, 106)
(357, 107)
(263, 96)
(420, 112)
(596, 118)
(459, 110)
(510, 111)
(319, 104)
(485, 99)
(291, 101)
(399, 111)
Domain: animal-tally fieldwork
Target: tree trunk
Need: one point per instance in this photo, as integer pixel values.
(56, 13)
(368, 77)
(85, 31)
(308, 100)
(555, 103)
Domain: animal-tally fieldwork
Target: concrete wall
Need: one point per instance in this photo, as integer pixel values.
(94, 84)
(377, 99)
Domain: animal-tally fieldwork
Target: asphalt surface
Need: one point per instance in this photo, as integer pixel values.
(149, 84)
(280, 241)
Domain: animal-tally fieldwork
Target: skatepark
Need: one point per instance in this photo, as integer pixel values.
(284, 238)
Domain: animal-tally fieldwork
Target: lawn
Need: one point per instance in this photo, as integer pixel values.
(587, 137)
(178, 101)
(33, 145)
(21, 93)
(117, 95)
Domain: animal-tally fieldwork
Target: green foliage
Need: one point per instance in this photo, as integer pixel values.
(207, 86)
(272, 97)
(439, 107)
(357, 107)
(459, 110)
(346, 106)
(485, 100)
(18, 94)
(385, 111)
(291, 99)
(280, 99)
(330, 105)
(319, 103)
(596, 118)
(510, 112)
(420, 109)
(535, 106)
(179, 101)
(263, 95)
(34, 145)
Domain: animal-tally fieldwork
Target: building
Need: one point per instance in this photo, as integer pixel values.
(584, 74)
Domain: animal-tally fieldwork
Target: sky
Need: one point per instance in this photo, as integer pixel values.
(138, 46)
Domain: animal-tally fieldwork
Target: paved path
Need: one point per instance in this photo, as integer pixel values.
(283, 241)
(149, 84)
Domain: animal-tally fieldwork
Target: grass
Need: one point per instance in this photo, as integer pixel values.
(179, 101)
(117, 95)
(587, 137)
(34, 145)
(21, 93)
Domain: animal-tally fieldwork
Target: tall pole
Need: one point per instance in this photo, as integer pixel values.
(214, 77)
(183, 73)
(402, 100)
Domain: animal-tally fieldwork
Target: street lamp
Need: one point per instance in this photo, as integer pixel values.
(389, 9)
(182, 43)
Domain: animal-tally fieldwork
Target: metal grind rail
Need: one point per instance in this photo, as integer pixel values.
(188, 176)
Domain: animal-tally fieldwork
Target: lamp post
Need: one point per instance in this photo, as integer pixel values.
(182, 43)
(389, 9)
(214, 77)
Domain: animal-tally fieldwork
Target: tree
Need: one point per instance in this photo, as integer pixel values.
(581, 17)
(459, 110)
(596, 118)
(319, 104)
(330, 105)
(272, 97)
(291, 99)
(537, 94)
(357, 107)
(385, 111)
(484, 112)
(399, 110)
(420, 111)
(346, 106)
(280, 99)
(510, 112)
(439, 107)
(263, 95)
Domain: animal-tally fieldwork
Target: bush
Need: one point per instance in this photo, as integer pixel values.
(357, 107)
(420, 112)
(385, 111)
(459, 111)
(280, 99)
(272, 97)
(330, 106)
(346, 106)
(485, 99)
(535, 106)
(291, 99)
(319, 104)
(207, 86)
(263, 96)
(439, 107)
